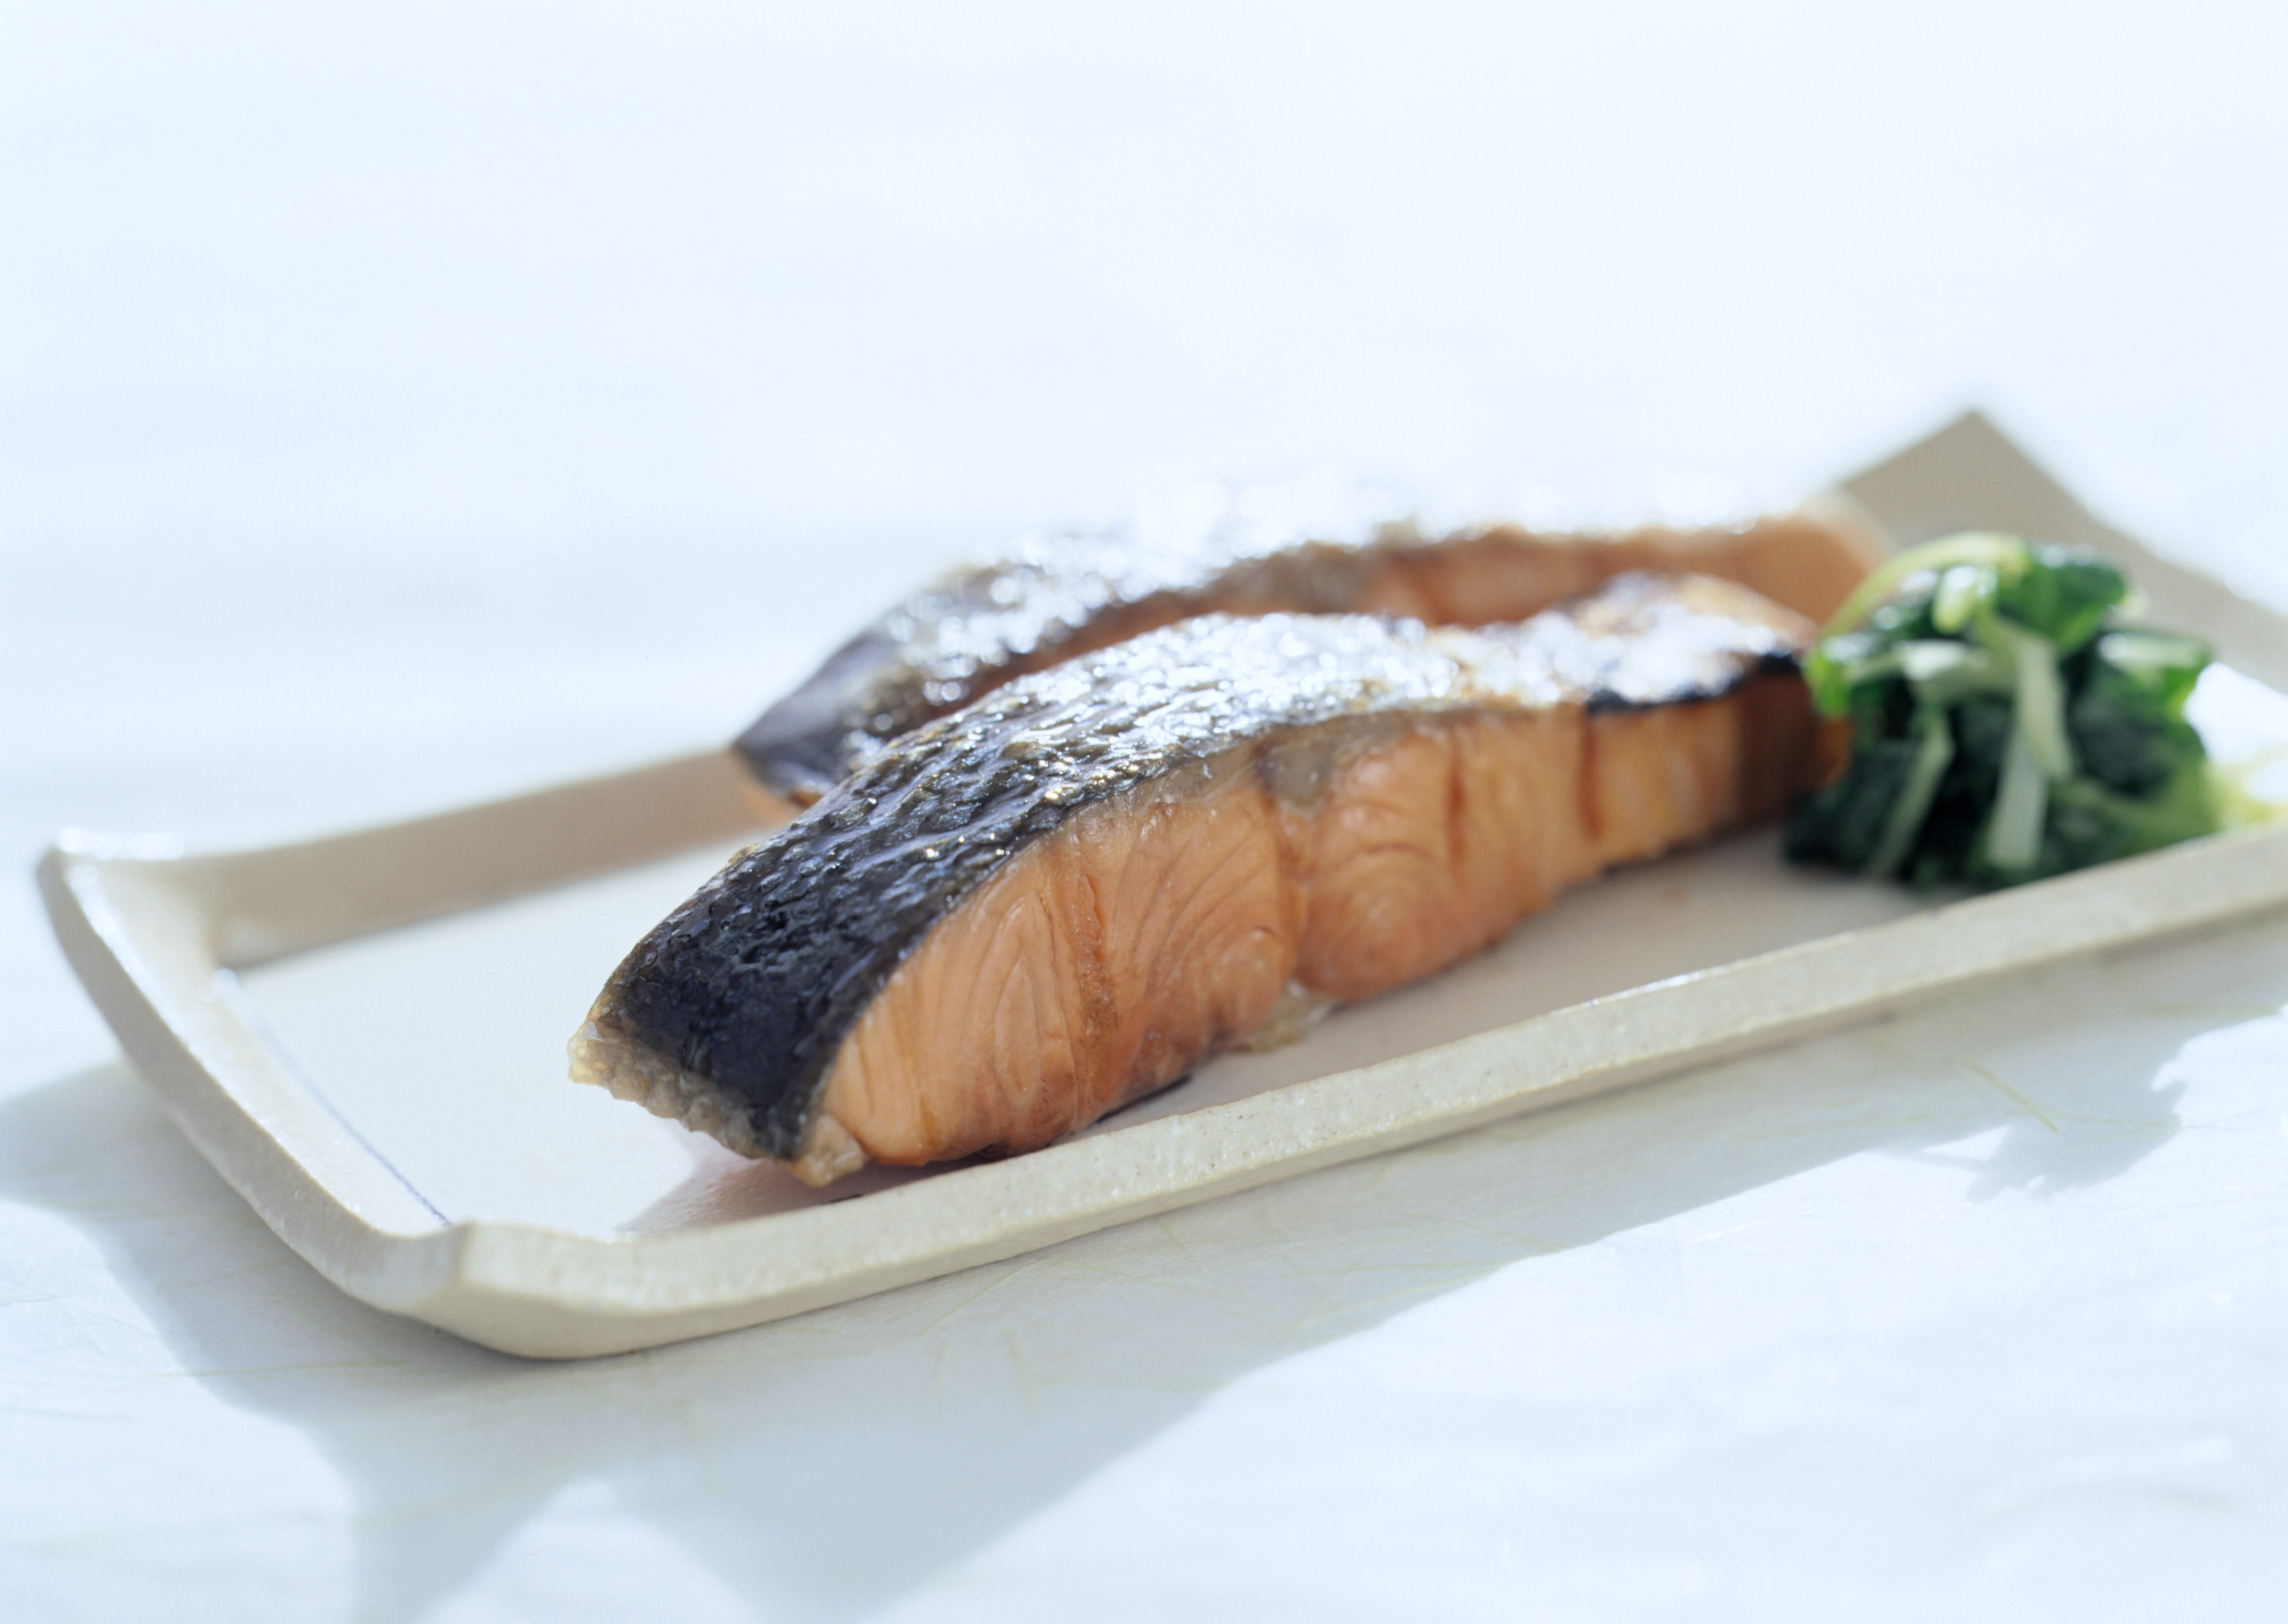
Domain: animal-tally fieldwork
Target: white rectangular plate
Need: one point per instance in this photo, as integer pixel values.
(365, 1033)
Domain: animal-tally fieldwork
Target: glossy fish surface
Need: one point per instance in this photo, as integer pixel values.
(1257, 550)
(1068, 894)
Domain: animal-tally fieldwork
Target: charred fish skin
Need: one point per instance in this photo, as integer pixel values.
(730, 1014)
(811, 740)
(1309, 547)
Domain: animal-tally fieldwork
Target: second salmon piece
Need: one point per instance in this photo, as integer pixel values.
(1066, 896)
(1299, 549)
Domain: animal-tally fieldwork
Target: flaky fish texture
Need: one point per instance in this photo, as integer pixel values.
(1023, 916)
(1308, 547)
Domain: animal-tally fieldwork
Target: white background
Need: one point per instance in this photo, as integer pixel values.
(406, 404)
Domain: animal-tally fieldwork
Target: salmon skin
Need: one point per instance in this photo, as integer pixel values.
(1295, 549)
(1027, 913)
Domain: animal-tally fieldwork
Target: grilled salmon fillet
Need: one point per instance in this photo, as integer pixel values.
(1066, 896)
(1264, 550)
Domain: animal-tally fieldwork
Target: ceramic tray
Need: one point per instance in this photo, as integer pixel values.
(365, 1032)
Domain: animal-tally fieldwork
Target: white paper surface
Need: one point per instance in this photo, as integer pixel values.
(408, 406)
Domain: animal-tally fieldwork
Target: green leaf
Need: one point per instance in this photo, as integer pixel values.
(2064, 595)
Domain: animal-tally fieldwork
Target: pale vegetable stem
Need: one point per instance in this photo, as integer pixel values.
(1932, 757)
(2014, 834)
(2041, 706)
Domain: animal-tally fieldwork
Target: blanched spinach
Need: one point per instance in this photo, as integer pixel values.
(2003, 728)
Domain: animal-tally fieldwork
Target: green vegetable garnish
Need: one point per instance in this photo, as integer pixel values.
(2003, 728)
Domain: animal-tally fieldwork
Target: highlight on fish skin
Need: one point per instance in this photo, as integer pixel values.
(1066, 896)
(1304, 547)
